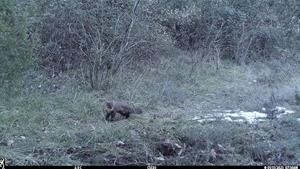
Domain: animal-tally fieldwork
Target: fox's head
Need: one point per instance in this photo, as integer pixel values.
(108, 107)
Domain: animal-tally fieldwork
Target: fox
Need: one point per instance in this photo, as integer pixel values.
(124, 109)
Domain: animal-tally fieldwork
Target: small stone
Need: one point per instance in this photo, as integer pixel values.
(159, 158)
(10, 142)
(119, 143)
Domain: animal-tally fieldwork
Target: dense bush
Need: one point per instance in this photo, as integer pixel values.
(15, 55)
(99, 37)
(240, 30)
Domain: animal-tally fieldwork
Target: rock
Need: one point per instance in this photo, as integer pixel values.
(119, 143)
(159, 158)
(10, 142)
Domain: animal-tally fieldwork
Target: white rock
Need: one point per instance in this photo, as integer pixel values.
(10, 142)
(120, 143)
(159, 158)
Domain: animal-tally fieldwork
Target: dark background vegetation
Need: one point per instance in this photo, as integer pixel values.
(101, 37)
(60, 59)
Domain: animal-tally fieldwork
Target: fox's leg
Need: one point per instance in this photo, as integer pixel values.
(113, 114)
(107, 116)
(124, 113)
(127, 115)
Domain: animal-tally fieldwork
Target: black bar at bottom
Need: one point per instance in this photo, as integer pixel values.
(148, 167)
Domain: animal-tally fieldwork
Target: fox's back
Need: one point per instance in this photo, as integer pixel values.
(122, 107)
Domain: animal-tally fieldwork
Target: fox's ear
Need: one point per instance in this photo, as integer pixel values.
(108, 105)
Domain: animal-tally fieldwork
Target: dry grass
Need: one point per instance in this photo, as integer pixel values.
(64, 126)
